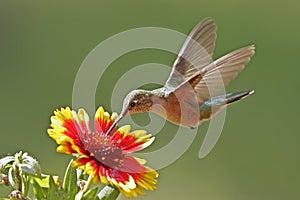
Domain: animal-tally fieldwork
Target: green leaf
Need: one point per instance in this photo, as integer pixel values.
(44, 180)
(4, 161)
(52, 191)
(38, 190)
(70, 181)
(91, 194)
(109, 193)
(25, 185)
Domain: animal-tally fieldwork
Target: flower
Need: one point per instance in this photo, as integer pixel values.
(105, 157)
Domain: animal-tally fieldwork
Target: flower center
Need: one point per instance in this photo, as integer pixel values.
(104, 150)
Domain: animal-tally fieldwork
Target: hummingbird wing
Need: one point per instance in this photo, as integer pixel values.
(195, 53)
(219, 73)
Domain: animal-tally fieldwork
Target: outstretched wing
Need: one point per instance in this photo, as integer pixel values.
(219, 73)
(195, 53)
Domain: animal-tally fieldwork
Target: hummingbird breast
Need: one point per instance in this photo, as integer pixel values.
(180, 107)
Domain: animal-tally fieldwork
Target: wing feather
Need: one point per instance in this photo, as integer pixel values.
(195, 53)
(224, 70)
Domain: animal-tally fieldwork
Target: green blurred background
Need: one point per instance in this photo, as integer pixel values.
(42, 45)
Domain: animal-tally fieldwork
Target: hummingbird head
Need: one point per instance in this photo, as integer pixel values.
(137, 101)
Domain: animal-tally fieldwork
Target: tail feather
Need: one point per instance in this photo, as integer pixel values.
(237, 96)
(215, 104)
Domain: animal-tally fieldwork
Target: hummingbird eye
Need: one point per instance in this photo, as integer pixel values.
(132, 104)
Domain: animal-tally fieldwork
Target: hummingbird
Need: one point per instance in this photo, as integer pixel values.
(187, 98)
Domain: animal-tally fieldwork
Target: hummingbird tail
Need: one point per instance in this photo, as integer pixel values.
(215, 104)
(232, 97)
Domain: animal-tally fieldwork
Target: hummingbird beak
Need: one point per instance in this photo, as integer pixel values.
(116, 122)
